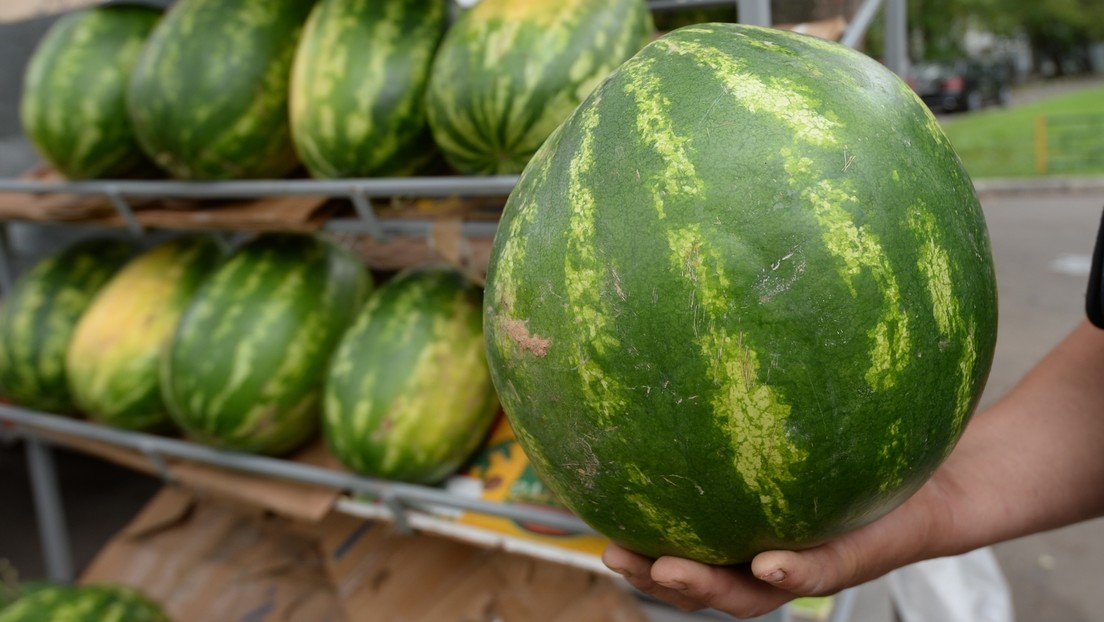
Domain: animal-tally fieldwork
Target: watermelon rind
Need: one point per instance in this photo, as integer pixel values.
(245, 367)
(73, 106)
(114, 358)
(743, 299)
(85, 603)
(208, 98)
(40, 314)
(408, 396)
(358, 85)
(507, 73)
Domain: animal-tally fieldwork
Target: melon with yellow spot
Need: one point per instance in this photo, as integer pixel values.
(743, 298)
(113, 361)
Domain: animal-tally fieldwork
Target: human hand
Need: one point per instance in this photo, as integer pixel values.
(772, 579)
(912, 532)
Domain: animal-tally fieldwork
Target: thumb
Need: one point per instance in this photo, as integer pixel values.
(822, 570)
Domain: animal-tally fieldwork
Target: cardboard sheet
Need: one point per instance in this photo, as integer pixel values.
(206, 561)
(203, 559)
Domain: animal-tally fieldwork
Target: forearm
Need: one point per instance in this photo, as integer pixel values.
(1035, 460)
(1032, 462)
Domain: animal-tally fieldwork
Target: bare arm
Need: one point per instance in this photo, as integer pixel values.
(1032, 462)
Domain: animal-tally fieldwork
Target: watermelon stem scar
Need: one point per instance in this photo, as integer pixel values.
(518, 330)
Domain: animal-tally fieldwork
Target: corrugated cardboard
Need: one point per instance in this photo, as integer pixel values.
(418, 578)
(203, 559)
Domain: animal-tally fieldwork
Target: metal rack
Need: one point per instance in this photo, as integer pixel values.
(410, 507)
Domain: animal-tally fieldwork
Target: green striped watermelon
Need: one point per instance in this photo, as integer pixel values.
(409, 395)
(509, 72)
(114, 357)
(99, 603)
(73, 106)
(40, 314)
(208, 97)
(743, 299)
(358, 86)
(245, 367)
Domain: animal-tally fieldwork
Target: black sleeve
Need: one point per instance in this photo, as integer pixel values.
(1094, 305)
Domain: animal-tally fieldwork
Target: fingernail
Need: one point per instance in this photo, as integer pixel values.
(622, 572)
(774, 577)
(674, 585)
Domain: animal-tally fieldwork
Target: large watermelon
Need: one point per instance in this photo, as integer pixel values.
(743, 298)
(509, 72)
(114, 358)
(41, 312)
(208, 97)
(358, 86)
(73, 106)
(99, 602)
(245, 367)
(409, 395)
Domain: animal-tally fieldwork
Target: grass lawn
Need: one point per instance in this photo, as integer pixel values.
(1001, 142)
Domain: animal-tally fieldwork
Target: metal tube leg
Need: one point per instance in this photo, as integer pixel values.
(48, 508)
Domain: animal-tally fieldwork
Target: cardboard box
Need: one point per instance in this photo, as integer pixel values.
(208, 559)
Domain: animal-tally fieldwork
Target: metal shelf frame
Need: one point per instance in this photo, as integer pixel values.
(406, 504)
(397, 497)
(360, 192)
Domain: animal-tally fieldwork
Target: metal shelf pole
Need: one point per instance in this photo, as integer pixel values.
(896, 37)
(48, 508)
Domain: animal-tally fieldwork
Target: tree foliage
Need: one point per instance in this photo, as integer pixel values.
(1058, 31)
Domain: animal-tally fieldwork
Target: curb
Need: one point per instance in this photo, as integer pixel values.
(1017, 185)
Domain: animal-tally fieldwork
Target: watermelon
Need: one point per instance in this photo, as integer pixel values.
(113, 361)
(722, 288)
(358, 86)
(40, 314)
(101, 602)
(509, 72)
(209, 95)
(73, 106)
(245, 367)
(409, 395)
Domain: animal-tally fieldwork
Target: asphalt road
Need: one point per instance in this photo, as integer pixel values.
(1041, 245)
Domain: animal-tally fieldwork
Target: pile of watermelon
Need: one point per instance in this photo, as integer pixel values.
(742, 296)
(236, 348)
(234, 89)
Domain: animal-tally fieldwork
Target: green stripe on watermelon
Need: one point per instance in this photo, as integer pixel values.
(246, 365)
(73, 106)
(358, 86)
(39, 316)
(113, 361)
(409, 395)
(209, 95)
(721, 287)
(508, 73)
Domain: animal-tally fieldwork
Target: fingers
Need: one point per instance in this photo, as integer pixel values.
(732, 589)
(692, 585)
(637, 571)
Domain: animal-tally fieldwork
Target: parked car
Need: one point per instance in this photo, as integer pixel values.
(961, 85)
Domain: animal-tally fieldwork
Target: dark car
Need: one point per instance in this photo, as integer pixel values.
(961, 85)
